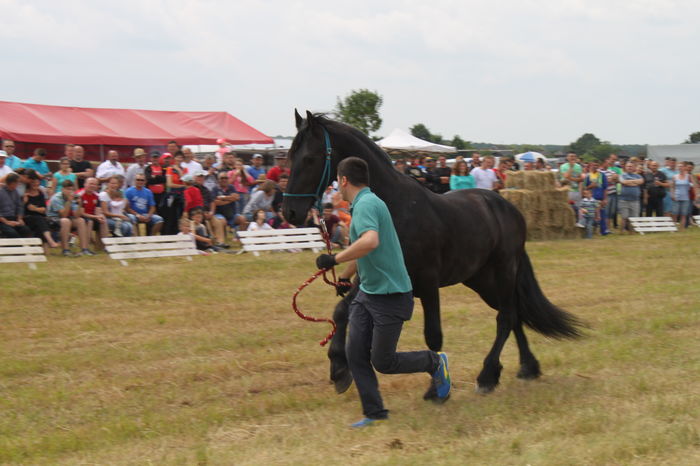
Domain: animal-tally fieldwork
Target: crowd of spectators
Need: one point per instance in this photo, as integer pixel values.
(173, 193)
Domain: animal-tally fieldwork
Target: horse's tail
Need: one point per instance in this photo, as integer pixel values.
(536, 311)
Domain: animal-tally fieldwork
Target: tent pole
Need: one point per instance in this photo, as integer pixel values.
(102, 153)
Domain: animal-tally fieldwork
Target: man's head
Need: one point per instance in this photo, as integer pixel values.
(189, 155)
(140, 181)
(429, 162)
(612, 158)
(284, 179)
(281, 160)
(442, 161)
(78, 153)
(68, 151)
(571, 157)
(268, 187)
(476, 159)
(229, 159)
(593, 166)
(39, 154)
(487, 162)
(140, 156)
(198, 178)
(208, 161)
(671, 163)
(653, 166)
(353, 173)
(173, 147)
(113, 156)
(630, 167)
(179, 157)
(8, 146)
(223, 179)
(67, 189)
(327, 210)
(166, 159)
(91, 185)
(400, 165)
(11, 181)
(587, 192)
(257, 160)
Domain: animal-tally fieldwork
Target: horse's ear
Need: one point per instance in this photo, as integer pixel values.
(299, 120)
(309, 118)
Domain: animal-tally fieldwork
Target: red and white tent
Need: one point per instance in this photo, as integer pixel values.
(41, 125)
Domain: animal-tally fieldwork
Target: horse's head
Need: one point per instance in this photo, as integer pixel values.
(312, 167)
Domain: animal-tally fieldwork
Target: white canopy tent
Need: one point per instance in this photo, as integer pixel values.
(401, 140)
(682, 153)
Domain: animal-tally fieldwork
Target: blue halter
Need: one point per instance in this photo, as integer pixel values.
(325, 175)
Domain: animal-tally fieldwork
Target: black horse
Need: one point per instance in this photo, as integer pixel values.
(473, 236)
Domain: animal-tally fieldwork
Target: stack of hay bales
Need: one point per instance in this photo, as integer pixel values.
(545, 207)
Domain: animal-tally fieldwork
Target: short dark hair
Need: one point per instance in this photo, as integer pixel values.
(67, 184)
(355, 170)
(284, 176)
(40, 151)
(327, 205)
(11, 178)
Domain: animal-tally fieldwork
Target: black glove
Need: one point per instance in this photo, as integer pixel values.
(326, 261)
(344, 285)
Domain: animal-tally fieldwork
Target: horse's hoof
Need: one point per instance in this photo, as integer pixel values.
(529, 372)
(485, 389)
(343, 382)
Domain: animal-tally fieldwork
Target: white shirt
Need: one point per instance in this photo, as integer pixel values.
(107, 169)
(253, 226)
(485, 178)
(5, 170)
(192, 166)
(131, 172)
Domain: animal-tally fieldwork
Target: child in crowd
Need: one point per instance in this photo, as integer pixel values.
(258, 222)
(193, 196)
(589, 212)
(278, 222)
(202, 237)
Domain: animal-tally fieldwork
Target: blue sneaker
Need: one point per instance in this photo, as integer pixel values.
(366, 422)
(442, 378)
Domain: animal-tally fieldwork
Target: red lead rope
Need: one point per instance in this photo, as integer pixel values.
(326, 239)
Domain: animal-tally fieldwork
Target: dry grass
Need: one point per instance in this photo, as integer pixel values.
(203, 362)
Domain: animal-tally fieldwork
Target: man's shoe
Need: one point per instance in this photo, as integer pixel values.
(87, 252)
(223, 246)
(580, 225)
(441, 377)
(67, 253)
(366, 422)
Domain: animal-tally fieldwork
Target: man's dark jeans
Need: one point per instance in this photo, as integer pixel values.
(374, 331)
(20, 231)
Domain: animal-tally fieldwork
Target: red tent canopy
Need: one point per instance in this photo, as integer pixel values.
(48, 124)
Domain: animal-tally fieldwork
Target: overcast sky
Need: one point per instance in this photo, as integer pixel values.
(510, 71)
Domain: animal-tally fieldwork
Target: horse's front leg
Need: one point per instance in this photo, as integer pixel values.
(432, 329)
(340, 373)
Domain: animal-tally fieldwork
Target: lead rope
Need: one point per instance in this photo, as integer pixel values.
(327, 240)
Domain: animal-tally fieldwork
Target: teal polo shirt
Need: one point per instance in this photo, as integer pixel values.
(382, 271)
(40, 167)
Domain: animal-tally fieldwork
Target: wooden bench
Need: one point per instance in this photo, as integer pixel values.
(28, 250)
(139, 247)
(652, 224)
(289, 238)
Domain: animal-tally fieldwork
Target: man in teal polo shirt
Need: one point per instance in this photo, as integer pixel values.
(384, 300)
(36, 162)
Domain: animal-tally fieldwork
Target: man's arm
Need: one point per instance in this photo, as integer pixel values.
(366, 243)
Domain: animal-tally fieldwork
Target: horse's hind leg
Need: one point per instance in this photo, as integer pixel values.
(491, 373)
(529, 366)
(340, 372)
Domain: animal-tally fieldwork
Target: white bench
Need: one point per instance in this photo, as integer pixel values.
(696, 219)
(28, 250)
(139, 247)
(652, 224)
(288, 238)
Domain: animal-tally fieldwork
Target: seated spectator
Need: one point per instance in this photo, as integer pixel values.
(461, 179)
(13, 161)
(342, 209)
(35, 212)
(5, 169)
(216, 225)
(589, 212)
(66, 214)
(114, 207)
(256, 169)
(142, 205)
(63, 174)
(36, 162)
(202, 237)
(278, 222)
(11, 210)
(336, 230)
(281, 188)
(92, 210)
(279, 168)
(193, 196)
(261, 200)
(225, 198)
(210, 179)
(258, 223)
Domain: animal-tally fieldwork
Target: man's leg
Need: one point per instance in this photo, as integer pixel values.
(603, 222)
(65, 233)
(6, 231)
(156, 223)
(79, 225)
(358, 349)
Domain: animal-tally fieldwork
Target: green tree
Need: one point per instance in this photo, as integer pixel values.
(601, 151)
(585, 143)
(693, 138)
(420, 131)
(360, 109)
(458, 143)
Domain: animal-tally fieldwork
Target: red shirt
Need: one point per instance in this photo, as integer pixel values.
(89, 201)
(275, 172)
(193, 198)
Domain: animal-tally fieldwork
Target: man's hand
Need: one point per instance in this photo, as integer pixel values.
(343, 287)
(326, 261)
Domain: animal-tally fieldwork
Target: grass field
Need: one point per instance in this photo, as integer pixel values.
(175, 362)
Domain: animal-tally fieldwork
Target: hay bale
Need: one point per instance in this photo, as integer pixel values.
(538, 181)
(515, 180)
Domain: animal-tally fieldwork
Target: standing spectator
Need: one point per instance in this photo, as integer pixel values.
(224, 148)
(175, 201)
(36, 162)
(13, 161)
(655, 183)
(589, 212)
(431, 178)
(12, 210)
(63, 174)
(279, 168)
(681, 185)
(81, 167)
(210, 175)
(227, 163)
(629, 195)
(571, 174)
(35, 212)
(115, 206)
(256, 168)
(475, 161)
(417, 171)
(64, 210)
(612, 175)
(4, 168)
(670, 171)
(136, 168)
(597, 183)
(110, 167)
(225, 197)
(173, 147)
(443, 174)
(484, 175)
(92, 210)
(261, 200)
(400, 165)
(155, 181)
(461, 179)
(190, 164)
(142, 206)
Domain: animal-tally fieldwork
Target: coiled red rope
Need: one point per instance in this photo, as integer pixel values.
(327, 240)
